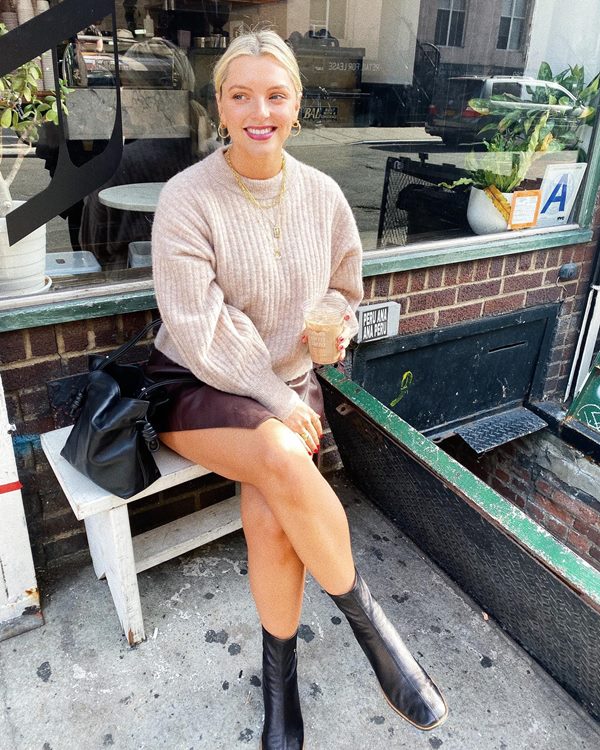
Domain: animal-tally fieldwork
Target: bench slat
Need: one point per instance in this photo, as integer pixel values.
(87, 499)
(185, 534)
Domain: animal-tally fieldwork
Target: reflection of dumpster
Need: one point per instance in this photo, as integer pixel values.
(332, 85)
(333, 108)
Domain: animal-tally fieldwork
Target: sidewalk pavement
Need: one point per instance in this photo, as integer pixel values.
(74, 684)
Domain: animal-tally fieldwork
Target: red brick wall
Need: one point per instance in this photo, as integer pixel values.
(568, 513)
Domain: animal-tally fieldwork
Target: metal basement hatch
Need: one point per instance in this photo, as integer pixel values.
(474, 380)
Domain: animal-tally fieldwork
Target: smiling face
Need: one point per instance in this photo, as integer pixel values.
(258, 105)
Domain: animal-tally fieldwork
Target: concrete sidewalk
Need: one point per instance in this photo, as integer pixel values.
(195, 683)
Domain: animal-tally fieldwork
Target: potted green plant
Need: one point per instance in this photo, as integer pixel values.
(520, 136)
(24, 107)
(586, 95)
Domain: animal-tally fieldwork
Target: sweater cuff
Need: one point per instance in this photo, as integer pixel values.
(278, 397)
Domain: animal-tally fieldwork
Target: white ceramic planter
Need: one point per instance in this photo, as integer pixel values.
(482, 215)
(22, 265)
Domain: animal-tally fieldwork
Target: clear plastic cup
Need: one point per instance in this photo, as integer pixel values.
(324, 323)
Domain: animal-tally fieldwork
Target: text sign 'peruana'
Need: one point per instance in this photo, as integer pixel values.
(378, 321)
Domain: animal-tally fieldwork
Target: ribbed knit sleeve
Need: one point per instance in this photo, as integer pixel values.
(346, 261)
(216, 341)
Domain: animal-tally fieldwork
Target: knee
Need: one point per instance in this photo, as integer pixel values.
(284, 456)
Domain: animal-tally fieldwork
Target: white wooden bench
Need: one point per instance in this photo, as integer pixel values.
(117, 555)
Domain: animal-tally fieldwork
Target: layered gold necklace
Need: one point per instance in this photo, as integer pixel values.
(264, 206)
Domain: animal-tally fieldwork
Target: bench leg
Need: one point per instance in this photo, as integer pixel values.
(109, 538)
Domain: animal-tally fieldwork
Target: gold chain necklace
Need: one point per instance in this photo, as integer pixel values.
(276, 203)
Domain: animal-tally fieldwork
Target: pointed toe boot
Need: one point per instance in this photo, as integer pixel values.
(284, 728)
(405, 684)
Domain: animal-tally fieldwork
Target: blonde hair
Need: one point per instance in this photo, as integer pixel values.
(254, 43)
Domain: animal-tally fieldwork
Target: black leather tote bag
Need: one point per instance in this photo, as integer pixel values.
(112, 440)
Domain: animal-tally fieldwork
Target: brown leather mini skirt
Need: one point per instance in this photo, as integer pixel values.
(199, 406)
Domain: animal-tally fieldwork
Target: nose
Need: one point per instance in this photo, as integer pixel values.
(262, 107)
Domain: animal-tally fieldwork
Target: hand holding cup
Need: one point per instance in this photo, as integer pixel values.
(324, 321)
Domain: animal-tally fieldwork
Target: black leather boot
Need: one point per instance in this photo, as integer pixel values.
(407, 687)
(284, 728)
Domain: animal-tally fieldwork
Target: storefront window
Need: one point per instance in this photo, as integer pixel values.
(411, 106)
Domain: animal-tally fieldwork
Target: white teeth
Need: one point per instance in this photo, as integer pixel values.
(259, 131)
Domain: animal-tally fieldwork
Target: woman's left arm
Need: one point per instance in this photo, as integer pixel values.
(346, 264)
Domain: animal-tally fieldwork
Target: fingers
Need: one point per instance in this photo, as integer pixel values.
(312, 433)
(342, 343)
(306, 424)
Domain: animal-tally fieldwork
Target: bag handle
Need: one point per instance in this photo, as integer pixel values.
(170, 381)
(124, 348)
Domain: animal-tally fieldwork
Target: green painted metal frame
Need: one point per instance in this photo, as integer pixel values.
(558, 558)
(409, 259)
(80, 309)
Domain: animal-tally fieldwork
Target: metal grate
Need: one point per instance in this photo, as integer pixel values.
(490, 432)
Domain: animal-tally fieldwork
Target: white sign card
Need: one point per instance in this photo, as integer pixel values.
(559, 190)
(378, 321)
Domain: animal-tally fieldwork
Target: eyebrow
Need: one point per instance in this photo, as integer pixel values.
(271, 88)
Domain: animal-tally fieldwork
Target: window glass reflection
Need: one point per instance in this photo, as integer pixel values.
(401, 100)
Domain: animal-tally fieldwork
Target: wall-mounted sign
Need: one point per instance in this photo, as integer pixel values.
(378, 321)
(559, 190)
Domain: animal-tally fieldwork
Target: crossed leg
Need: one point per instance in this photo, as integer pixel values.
(276, 572)
(292, 518)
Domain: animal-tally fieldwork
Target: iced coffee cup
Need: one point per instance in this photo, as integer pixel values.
(324, 323)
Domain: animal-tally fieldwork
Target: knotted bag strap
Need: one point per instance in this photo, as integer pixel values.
(124, 348)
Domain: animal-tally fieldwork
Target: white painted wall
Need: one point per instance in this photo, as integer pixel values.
(564, 34)
(18, 587)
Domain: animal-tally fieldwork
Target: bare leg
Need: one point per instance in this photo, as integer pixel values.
(272, 459)
(276, 572)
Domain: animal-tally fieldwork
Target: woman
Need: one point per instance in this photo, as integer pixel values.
(240, 241)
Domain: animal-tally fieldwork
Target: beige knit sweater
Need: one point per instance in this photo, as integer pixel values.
(231, 310)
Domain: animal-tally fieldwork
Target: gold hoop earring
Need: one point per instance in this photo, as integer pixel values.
(296, 128)
(222, 131)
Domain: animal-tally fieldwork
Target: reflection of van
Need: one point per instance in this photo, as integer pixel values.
(451, 118)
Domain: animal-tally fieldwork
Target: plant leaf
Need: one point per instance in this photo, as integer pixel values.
(480, 105)
(545, 72)
(6, 118)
